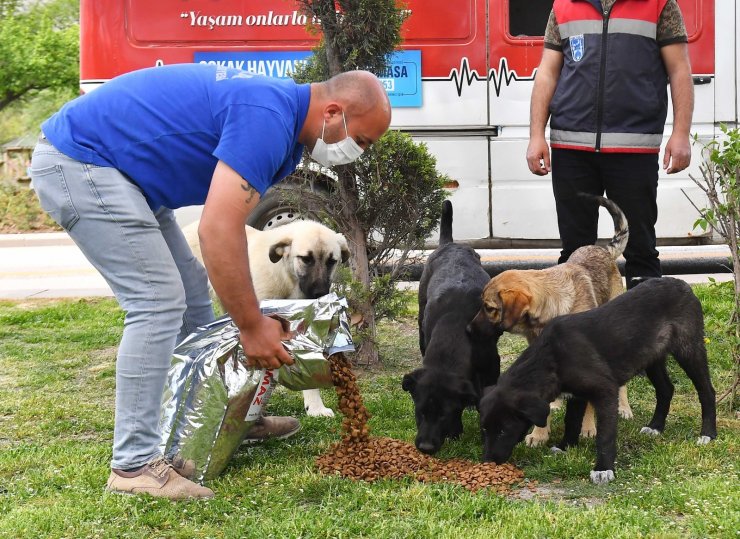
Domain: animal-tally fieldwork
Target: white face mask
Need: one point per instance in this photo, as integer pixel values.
(338, 153)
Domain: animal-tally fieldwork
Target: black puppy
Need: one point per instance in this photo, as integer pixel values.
(456, 365)
(590, 355)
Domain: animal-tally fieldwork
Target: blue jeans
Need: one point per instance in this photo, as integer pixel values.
(144, 257)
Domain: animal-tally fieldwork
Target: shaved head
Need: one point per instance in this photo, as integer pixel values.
(361, 91)
(353, 104)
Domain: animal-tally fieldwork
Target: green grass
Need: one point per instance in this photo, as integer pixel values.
(56, 420)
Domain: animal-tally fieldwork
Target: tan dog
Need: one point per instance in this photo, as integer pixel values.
(523, 301)
(293, 261)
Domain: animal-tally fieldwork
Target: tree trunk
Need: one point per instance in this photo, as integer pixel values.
(326, 11)
(10, 97)
(367, 353)
(335, 66)
(356, 234)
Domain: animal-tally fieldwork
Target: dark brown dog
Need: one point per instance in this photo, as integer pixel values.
(523, 301)
(590, 355)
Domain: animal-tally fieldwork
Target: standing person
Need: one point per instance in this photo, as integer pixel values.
(603, 82)
(111, 166)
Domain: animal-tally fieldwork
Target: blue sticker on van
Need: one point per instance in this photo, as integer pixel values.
(270, 64)
(402, 78)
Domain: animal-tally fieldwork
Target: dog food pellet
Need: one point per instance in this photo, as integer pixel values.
(359, 456)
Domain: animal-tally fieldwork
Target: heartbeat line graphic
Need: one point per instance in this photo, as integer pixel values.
(504, 75)
(464, 76)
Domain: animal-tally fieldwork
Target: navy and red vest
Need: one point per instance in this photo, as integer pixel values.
(612, 92)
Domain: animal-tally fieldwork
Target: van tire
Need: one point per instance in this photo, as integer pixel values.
(272, 211)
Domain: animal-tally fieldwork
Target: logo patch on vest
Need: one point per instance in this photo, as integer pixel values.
(577, 47)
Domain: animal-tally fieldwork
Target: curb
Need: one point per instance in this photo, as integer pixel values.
(35, 239)
(675, 260)
(669, 268)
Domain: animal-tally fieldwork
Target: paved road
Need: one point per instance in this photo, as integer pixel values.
(51, 266)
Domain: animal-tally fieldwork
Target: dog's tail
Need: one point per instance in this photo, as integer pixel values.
(445, 223)
(621, 230)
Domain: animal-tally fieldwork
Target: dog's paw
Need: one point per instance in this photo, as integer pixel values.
(555, 450)
(557, 404)
(316, 411)
(588, 431)
(536, 439)
(648, 430)
(625, 412)
(703, 440)
(602, 477)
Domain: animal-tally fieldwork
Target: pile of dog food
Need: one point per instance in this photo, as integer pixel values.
(359, 456)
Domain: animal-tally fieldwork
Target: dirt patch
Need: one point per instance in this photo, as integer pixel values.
(553, 492)
(86, 437)
(102, 358)
(99, 372)
(38, 303)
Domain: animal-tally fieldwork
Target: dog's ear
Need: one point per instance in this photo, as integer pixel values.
(534, 409)
(514, 305)
(488, 403)
(409, 380)
(480, 329)
(477, 326)
(343, 247)
(279, 249)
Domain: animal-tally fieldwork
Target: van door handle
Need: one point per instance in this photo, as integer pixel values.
(702, 80)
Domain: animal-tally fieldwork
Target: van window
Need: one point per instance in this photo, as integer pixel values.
(528, 18)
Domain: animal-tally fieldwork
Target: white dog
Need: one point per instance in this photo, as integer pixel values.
(294, 261)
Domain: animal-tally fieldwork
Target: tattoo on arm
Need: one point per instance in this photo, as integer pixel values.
(251, 192)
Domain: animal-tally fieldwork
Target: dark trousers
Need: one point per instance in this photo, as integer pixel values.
(631, 181)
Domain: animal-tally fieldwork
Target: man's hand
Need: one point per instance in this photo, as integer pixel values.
(262, 344)
(546, 79)
(538, 156)
(678, 150)
(677, 154)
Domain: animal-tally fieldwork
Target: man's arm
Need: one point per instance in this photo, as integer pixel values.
(538, 152)
(678, 149)
(223, 242)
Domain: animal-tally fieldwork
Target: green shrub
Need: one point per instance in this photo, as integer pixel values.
(20, 211)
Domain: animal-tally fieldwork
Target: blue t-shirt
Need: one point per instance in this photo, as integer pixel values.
(166, 128)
